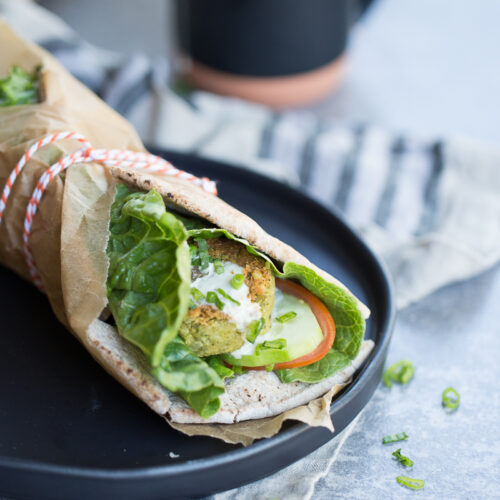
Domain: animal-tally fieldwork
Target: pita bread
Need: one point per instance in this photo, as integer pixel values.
(253, 395)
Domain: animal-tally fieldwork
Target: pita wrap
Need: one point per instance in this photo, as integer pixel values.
(70, 235)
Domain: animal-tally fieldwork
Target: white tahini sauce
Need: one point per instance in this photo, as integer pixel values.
(248, 348)
(241, 314)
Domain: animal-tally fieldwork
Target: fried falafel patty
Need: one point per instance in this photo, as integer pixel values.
(207, 330)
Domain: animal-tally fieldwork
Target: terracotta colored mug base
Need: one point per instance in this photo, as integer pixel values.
(278, 92)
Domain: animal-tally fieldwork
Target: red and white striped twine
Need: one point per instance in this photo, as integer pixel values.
(87, 154)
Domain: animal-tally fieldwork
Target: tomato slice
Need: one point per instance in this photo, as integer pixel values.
(323, 317)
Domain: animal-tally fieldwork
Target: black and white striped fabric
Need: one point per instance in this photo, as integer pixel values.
(430, 208)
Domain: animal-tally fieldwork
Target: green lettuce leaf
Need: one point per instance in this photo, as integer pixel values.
(19, 87)
(222, 370)
(191, 377)
(349, 322)
(148, 292)
(149, 271)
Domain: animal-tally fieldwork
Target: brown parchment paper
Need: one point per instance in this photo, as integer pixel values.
(70, 230)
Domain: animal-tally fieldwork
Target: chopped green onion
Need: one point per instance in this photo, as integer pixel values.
(451, 398)
(237, 281)
(227, 296)
(394, 438)
(254, 329)
(401, 372)
(203, 252)
(286, 317)
(213, 298)
(218, 266)
(192, 304)
(270, 367)
(196, 294)
(193, 253)
(270, 344)
(414, 484)
(401, 458)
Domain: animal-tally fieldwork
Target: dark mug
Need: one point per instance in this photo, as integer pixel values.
(277, 52)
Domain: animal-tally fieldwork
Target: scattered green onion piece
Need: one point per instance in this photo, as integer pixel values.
(218, 266)
(213, 298)
(270, 367)
(196, 294)
(394, 438)
(203, 252)
(451, 398)
(192, 304)
(239, 370)
(286, 317)
(401, 458)
(237, 281)
(270, 344)
(401, 372)
(254, 329)
(409, 482)
(227, 296)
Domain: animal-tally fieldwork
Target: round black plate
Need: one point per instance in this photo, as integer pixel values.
(69, 430)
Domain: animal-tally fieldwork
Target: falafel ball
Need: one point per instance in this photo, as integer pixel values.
(209, 331)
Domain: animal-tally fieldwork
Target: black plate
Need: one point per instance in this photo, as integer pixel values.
(68, 430)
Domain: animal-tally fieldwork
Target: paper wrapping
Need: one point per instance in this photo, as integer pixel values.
(70, 231)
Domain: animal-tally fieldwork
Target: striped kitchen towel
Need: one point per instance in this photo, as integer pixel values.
(430, 208)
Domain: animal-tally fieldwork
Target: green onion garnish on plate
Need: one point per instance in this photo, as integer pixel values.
(237, 281)
(394, 438)
(401, 458)
(227, 296)
(401, 372)
(286, 317)
(213, 298)
(409, 482)
(196, 294)
(451, 399)
(192, 304)
(218, 266)
(254, 328)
